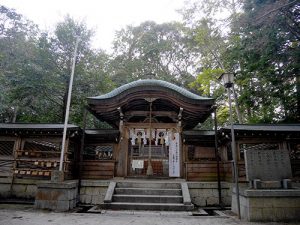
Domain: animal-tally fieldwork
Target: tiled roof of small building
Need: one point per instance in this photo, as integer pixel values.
(27, 126)
(265, 127)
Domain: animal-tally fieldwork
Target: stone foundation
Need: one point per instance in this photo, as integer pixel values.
(92, 192)
(268, 205)
(203, 194)
(206, 193)
(60, 196)
(20, 189)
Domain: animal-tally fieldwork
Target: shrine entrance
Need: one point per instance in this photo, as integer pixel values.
(138, 159)
(158, 146)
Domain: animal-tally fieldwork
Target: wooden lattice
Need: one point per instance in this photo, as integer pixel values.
(6, 148)
(102, 152)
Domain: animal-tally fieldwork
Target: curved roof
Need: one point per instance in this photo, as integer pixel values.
(133, 101)
(151, 83)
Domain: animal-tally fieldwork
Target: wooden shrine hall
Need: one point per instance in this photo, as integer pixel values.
(151, 116)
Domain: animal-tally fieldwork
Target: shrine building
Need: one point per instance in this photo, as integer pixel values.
(154, 142)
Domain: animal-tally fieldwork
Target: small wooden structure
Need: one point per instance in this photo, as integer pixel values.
(33, 150)
(98, 160)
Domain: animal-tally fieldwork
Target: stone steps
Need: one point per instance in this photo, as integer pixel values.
(147, 191)
(148, 195)
(147, 198)
(148, 184)
(150, 206)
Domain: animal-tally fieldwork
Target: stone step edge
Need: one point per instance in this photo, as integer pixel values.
(145, 204)
(151, 189)
(148, 196)
(173, 185)
(148, 206)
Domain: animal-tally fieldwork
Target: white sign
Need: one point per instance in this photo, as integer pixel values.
(137, 164)
(174, 155)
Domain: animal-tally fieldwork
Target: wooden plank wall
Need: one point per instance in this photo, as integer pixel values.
(97, 169)
(203, 171)
(228, 171)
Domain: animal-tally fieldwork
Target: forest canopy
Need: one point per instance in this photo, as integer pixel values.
(257, 40)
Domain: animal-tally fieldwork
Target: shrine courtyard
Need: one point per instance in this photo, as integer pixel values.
(27, 215)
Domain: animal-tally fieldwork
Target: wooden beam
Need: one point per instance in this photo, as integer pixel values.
(154, 113)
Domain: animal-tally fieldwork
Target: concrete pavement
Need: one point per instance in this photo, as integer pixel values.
(27, 215)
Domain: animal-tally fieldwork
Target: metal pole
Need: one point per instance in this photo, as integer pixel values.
(234, 154)
(68, 108)
(217, 157)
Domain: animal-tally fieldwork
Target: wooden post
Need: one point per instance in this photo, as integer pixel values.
(81, 150)
(17, 147)
(217, 157)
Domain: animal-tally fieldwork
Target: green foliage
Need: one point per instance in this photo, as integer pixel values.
(259, 41)
(35, 70)
(260, 44)
(222, 114)
(268, 62)
(161, 49)
(206, 82)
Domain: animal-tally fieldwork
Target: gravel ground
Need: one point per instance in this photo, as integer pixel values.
(26, 215)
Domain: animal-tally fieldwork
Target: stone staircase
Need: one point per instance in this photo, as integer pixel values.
(148, 195)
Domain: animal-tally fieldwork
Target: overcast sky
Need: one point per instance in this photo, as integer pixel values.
(105, 16)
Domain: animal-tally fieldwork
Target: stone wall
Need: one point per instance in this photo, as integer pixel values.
(92, 192)
(21, 188)
(268, 205)
(57, 196)
(206, 193)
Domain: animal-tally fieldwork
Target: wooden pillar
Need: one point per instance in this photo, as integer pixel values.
(17, 147)
(122, 157)
(81, 149)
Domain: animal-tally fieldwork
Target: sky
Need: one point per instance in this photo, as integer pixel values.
(104, 16)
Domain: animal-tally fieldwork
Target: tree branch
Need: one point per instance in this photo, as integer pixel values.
(276, 9)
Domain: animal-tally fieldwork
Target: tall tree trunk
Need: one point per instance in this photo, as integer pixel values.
(14, 118)
(237, 107)
(298, 97)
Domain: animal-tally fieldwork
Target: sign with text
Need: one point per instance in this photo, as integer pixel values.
(267, 165)
(174, 155)
(137, 164)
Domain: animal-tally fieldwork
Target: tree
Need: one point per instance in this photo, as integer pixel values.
(18, 67)
(260, 44)
(212, 43)
(35, 70)
(268, 60)
(153, 48)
